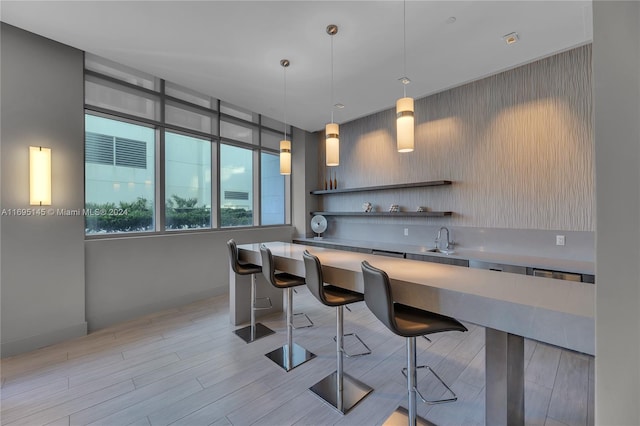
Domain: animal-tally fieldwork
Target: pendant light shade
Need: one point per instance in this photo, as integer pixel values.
(285, 144)
(285, 157)
(405, 129)
(332, 130)
(404, 124)
(332, 144)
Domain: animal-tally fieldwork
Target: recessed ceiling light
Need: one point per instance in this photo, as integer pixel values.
(511, 38)
(339, 106)
(451, 20)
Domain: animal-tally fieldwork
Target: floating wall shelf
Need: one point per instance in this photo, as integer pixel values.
(382, 187)
(385, 214)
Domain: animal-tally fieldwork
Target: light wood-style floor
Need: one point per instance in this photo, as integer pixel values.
(184, 366)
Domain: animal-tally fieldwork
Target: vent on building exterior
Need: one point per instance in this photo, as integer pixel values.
(114, 151)
(236, 195)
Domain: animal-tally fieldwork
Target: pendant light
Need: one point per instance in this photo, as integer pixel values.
(285, 144)
(332, 130)
(404, 105)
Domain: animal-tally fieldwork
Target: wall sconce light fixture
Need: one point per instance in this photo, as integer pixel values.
(39, 176)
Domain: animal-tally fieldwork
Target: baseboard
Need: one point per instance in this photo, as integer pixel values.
(28, 344)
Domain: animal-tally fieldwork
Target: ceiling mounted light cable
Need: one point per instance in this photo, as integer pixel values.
(285, 144)
(404, 106)
(332, 130)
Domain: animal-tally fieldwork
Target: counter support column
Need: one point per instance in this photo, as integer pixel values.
(504, 393)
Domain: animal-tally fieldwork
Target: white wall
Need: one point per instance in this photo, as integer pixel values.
(42, 264)
(616, 72)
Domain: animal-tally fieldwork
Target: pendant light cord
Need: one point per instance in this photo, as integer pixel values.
(285, 103)
(331, 78)
(404, 45)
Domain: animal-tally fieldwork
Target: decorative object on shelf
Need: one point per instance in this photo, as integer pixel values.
(332, 130)
(318, 225)
(285, 144)
(404, 106)
(325, 178)
(335, 180)
(421, 209)
(330, 181)
(394, 208)
(367, 207)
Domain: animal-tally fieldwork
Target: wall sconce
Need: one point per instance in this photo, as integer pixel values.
(285, 144)
(39, 176)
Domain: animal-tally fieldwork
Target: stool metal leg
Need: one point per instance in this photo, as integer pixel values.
(290, 355)
(409, 416)
(341, 391)
(254, 331)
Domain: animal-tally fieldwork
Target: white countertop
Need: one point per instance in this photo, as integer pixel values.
(553, 311)
(565, 265)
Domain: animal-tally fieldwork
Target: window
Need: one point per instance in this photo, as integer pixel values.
(119, 176)
(272, 190)
(187, 182)
(213, 155)
(236, 182)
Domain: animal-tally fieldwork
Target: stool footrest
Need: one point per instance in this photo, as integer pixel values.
(257, 308)
(367, 350)
(453, 397)
(310, 323)
(353, 391)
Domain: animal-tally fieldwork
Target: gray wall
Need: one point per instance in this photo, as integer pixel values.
(130, 277)
(517, 145)
(42, 264)
(616, 70)
(304, 152)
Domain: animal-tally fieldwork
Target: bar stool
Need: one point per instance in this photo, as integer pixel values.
(338, 389)
(409, 322)
(253, 331)
(290, 355)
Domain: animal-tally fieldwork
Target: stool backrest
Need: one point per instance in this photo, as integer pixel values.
(377, 294)
(268, 268)
(313, 272)
(233, 255)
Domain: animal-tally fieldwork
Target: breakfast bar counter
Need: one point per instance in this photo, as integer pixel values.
(510, 306)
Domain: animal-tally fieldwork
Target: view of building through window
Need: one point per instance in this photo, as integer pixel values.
(119, 176)
(236, 186)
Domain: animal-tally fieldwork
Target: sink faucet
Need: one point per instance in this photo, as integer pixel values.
(449, 242)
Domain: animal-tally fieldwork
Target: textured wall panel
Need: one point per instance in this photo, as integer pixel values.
(518, 147)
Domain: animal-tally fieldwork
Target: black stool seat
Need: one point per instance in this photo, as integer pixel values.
(286, 280)
(255, 330)
(337, 296)
(242, 268)
(413, 322)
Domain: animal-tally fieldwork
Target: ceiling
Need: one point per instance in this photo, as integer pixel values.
(232, 49)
